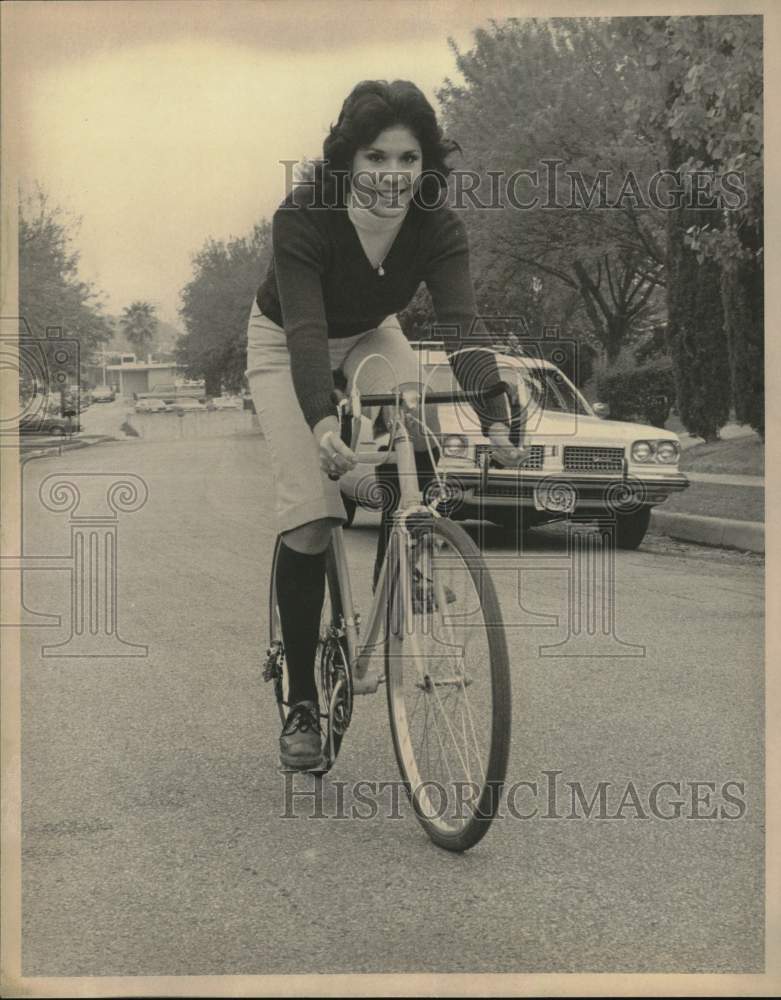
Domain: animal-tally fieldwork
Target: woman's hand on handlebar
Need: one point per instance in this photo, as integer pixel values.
(336, 457)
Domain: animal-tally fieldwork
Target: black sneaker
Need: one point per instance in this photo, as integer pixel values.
(300, 745)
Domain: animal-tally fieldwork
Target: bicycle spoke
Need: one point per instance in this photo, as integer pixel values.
(457, 666)
(450, 730)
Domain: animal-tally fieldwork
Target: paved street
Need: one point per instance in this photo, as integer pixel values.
(106, 418)
(154, 834)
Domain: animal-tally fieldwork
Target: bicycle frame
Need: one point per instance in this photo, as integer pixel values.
(360, 650)
(397, 603)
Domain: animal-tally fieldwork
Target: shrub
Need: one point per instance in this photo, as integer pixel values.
(645, 394)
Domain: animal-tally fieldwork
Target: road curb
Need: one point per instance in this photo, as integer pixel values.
(55, 447)
(749, 536)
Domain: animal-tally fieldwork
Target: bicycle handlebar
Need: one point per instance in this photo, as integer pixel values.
(454, 396)
(350, 422)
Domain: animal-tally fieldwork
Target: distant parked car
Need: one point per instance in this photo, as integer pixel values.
(227, 403)
(150, 406)
(577, 464)
(77, 399)
(183, 404)
(48, 423)
(103, 394)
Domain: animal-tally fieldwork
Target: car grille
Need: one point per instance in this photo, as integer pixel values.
(534, 460)
(578, 459)
(515, 490)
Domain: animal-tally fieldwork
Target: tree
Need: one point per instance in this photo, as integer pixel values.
(536, 92)
(51, 293)
(216, 306)
(138, 324)
(742, 295)
(709, 72)
(695, 330)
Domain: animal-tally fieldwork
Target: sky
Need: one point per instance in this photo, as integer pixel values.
(163, 124)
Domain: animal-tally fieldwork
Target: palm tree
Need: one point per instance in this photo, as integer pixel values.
(138, 323)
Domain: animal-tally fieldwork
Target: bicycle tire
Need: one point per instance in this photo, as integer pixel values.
(332, 617)
(487, 792)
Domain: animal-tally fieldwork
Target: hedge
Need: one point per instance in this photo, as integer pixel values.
(646, 394)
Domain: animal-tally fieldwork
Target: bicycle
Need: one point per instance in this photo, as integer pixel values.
(448, 700)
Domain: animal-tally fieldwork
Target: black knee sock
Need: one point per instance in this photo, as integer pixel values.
(300, 581)
(388, 476)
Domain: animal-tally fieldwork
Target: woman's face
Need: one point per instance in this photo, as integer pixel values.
(385, 174)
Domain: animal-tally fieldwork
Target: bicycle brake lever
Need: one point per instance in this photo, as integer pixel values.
(355, 408)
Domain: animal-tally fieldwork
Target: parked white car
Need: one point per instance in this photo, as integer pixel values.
(103, 394)
(150, 406)
(226, 403)
(578, 463)
(186, 403)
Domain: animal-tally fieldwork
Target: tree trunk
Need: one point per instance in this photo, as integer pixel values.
(696, 324)
(616, 333)
(742, 295)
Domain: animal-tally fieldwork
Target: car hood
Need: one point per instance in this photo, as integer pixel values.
(549, 424)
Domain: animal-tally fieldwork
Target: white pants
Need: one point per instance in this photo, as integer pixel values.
(303, 492)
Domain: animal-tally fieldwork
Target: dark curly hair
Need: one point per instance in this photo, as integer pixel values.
(371, 107)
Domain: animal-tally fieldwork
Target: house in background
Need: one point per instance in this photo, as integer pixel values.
(131, 377)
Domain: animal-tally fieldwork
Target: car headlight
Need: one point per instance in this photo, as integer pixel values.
(667, 451)
(455, 446)
(642, 451)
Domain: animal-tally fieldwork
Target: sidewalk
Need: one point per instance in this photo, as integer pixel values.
(722, 532)
(40, 446)
(719, 508)
(725, 479)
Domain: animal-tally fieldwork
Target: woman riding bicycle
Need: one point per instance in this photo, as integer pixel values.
(350, 249)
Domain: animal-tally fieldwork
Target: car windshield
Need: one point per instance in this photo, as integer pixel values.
(541, 389)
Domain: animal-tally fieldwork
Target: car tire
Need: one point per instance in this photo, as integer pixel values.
(631, 528)
(349, 508)
(511, 532)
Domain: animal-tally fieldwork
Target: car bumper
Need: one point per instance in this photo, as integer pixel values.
(506, 488)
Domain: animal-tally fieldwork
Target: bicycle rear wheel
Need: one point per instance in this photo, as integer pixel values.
(448, 683)
(332, 674)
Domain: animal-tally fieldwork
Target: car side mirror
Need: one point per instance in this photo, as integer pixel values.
(602, 410)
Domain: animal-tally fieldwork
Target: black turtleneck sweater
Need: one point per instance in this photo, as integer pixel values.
(320, 284)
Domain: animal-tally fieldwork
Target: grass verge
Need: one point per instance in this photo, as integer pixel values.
(739, 456)
(743, 503)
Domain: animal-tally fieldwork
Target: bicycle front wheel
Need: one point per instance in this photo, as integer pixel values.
(448, 683)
